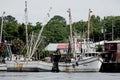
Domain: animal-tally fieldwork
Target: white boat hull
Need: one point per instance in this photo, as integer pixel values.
(45, 66)
(3, 67)
(28, 66)
(20, 66)
(85, 65)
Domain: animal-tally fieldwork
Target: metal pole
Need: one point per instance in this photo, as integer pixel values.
(88, 33)
(104, 30)
(26, 23)
(1, 27)
(71, 34)
(112, 30)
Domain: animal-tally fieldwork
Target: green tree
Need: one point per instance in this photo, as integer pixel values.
(80, 27)
(17, 46)
(10, 27)
(95, 29)
(21, 32)
(56, 30)
(116, 27)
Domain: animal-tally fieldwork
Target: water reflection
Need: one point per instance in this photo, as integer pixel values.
(58, 76)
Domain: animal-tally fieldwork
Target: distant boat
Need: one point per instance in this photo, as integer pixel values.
(84, 62)
(2, 47)
(28, 66)
(3, 67)
(19, 63)
(87, 60)
(90, 64)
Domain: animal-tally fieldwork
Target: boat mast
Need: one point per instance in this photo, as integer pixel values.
(71, 34)
(26, 28)
(88, 32)
(1, 27)
(38, 41)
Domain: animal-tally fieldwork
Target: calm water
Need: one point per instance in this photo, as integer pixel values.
(58, 76)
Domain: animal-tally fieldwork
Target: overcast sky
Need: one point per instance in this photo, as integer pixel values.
(38, 9)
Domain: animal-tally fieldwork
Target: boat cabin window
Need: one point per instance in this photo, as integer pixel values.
(86, 55)
(91, 54)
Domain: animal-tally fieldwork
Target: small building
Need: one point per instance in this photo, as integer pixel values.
(63, 47)
(112, 50)
(111, 57)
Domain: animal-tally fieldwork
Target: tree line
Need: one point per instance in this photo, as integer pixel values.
(57, 30)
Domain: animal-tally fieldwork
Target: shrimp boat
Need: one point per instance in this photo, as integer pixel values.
(28, 66)
(91, 64)
(18, 63)
(87, 61)
(2, 47)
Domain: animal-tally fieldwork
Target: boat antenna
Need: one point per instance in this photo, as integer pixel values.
(26, 24)
(71, 34)
(39, 37)
(88, 32)
(1, 27)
